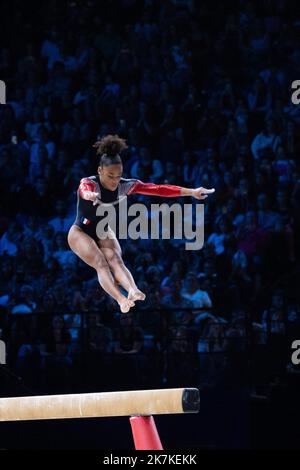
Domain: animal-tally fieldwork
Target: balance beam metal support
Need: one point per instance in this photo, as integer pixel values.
(93, 405)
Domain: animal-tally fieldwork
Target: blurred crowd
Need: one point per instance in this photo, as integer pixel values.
(202, 93)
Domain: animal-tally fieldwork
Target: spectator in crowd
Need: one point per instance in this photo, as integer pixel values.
(25, 303)
(176, 301)
(192, 292)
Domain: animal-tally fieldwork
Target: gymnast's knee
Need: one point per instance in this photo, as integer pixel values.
(115, 259)
(101, 263)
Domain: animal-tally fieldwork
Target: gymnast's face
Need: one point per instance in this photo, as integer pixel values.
(110, 175)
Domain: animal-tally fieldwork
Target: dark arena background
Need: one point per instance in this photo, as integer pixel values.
(203, 93)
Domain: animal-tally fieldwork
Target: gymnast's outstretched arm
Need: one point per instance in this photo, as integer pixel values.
(168, 190)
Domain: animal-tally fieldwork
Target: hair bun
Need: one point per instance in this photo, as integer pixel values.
(110, 145)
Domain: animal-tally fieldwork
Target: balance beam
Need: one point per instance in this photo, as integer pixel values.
(94, 405)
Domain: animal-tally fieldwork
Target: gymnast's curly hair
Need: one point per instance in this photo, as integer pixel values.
(109, 148)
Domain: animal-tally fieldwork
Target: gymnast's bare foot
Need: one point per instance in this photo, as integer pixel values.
(136, 294)
(126, 304)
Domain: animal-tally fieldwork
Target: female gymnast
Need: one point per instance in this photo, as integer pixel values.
(104, 254)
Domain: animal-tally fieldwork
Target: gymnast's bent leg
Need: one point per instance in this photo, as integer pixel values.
(111, 249)
(86, 249)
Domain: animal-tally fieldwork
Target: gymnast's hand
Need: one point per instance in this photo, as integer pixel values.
(91, 196)
(202, 193)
